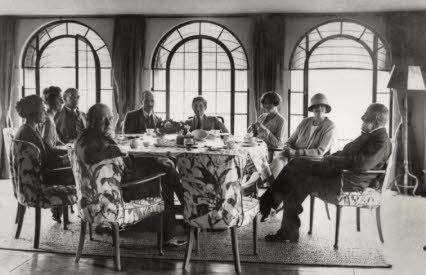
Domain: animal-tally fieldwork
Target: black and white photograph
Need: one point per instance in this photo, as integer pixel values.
(213, 137)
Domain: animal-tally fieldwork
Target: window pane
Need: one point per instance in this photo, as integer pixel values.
(297, 80)
(159, 79)
(240, 61)
(240, 102)
(187, 101)
(191, 60)
(223, 102)
(294, 121)
(177, 61)
(57, 30)
(60, 53)
(107, 98)
(29, 78)
(172, 40)
(190, 29)
(223, 61)
(209, 80)
(296, 103)
(240, 80)
(191, 80)
(62, 77)
(210, 29)
(74, 29)
(28, 92)
(384, 99)
(176, 108)
(382, 81)
(160, 102)
(210, 97)
(176, 80)
(223, 80)
(87, 88)
(229, 40)
(85, 55)
(104, 58)
(94, 39)
(209, 60)
(240, 125)
(106, 79)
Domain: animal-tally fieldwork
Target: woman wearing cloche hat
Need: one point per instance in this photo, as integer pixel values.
(313, 136)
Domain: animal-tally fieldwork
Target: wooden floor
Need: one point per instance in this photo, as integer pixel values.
(404, 225)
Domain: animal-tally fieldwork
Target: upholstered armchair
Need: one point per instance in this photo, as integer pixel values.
(370, 198)
(100, 200)
(30, 188)
(213, 198)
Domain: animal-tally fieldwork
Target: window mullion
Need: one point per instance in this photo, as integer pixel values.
(200, 66)
(76, 63)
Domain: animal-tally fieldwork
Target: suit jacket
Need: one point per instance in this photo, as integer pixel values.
(207, 123)
(370, 151)
(136, 122)
(93, 146)
(69, 124)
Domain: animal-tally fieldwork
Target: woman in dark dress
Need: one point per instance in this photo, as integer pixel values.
(31, 109)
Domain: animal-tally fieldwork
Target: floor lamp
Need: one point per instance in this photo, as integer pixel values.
(406, 79)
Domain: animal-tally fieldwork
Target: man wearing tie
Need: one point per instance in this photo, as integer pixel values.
(201, 121)
(139, 120)
(69, 121)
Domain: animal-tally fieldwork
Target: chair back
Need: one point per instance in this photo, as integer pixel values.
(99, 197)
(212, 189)
(389, 166)
(8, 135)
(25, 169)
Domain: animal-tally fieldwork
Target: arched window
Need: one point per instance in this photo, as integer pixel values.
(201, 58)
(349, 63)
(68, 54)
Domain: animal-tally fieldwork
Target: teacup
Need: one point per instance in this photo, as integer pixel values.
(134, 143)
(146, 143)
(150, 131)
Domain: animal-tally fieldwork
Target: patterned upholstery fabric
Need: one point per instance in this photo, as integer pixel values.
(369, 198)
(27, 179)
(212, 196)
(99, 195)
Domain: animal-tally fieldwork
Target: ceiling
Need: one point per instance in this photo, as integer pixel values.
(187, 7)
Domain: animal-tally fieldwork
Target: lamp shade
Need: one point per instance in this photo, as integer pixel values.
(411, 77)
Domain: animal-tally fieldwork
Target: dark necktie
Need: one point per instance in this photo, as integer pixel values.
(151, 122)
(198, 125)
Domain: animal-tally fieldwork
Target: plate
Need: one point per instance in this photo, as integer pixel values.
(249, 144)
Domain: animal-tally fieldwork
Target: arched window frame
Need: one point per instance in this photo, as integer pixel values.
(35, 47)
(304, 44)
(184, 39)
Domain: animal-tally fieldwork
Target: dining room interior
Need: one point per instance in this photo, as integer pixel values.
(213, 137)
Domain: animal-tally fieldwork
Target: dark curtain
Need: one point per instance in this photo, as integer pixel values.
(127, 61)
(268, 55)
(7, 82)
(402, 32)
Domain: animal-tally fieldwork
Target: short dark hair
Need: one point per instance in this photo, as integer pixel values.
(50, 94)
(95, 115)
(273, 97)
(70, 91)
(199, 98)
(29, 106)
(381, 114)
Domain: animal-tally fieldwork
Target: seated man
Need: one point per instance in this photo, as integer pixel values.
(69, 120)
(95, 144)
(139, 120)
(302, 177)
(201, 121)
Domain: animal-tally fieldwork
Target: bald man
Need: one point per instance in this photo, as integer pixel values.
(95, 144)
(139, 120)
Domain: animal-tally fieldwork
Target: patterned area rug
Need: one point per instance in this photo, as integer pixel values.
(355, 250)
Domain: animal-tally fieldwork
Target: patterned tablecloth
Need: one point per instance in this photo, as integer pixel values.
(255, 158)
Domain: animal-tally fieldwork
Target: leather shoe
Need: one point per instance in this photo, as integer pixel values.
(174, 242)
(292, 237)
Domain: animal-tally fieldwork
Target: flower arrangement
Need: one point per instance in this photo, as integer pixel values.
(170, 126)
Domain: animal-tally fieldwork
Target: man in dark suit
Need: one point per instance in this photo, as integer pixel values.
(70, 121)
(302, 177)
(139, 120)
(95, 144)
(201, 121)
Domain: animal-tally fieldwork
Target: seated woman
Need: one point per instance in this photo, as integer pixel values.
(313, 136)
(31, 109)
(201, 121)
(270, 125)
(53, 98)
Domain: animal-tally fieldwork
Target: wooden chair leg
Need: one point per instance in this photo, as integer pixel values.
(358, 219)
(336, 238)
(90, 231)
(83, 225)
(188, 251)
(235, 251)
(327, 211)
(311, 214)
(255, 224)
(116, 243)
(160, 235)
(379, 224)
(18, 212)
(65, 218)
(197, 237)
(21, 210)
(37, 227)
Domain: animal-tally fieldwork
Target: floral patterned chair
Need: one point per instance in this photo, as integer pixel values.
(370, 198)
(100, 201)
(29, 187)
(213, 199)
